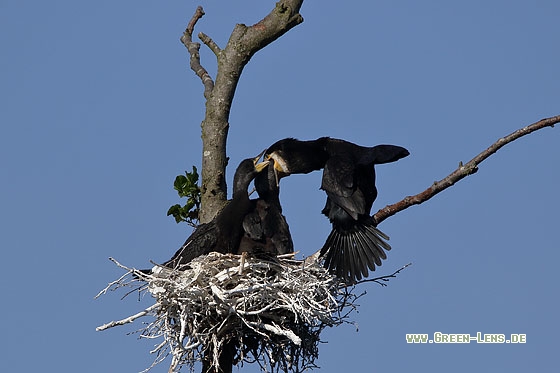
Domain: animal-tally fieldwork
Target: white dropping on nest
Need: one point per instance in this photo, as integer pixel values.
(272, 309)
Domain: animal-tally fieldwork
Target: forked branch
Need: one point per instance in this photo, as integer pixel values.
(243, 43)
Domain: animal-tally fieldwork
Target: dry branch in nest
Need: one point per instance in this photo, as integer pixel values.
(272, 309)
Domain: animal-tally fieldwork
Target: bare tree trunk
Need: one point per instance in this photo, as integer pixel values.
(243, 43)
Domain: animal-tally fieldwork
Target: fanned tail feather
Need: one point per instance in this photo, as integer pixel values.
(349, 254)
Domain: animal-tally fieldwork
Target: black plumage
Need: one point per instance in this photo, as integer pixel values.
(222, 234)
(354, 244)
(265, 228)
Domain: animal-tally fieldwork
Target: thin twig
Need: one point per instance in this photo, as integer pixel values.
(386, 278)
(127, 320)
(207, 40)
(462, 171)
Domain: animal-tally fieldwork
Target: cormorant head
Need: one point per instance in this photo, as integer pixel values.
(292, 156)
(246, 172)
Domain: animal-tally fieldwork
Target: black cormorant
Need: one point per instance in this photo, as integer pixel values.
(224, 232)
(265, 228)
(354, 244)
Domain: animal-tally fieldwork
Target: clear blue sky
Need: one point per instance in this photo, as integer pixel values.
(100, 111)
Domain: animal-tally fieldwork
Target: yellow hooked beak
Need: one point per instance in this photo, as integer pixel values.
(262, 165)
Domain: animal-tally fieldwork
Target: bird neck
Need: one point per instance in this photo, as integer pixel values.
(240, 194)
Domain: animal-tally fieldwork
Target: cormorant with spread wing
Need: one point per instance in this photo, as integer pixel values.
(223, 234)
(354, 244)
(265, 228)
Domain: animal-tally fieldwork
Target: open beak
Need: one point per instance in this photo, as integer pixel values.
(262, 165)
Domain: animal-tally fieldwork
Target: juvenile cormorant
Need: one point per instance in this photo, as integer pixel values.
(265, 228)
(354, 244)
(224, 232)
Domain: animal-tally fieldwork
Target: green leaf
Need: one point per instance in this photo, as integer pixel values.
(180, 182)
(174, 210)
(189, 205)
(192, 176)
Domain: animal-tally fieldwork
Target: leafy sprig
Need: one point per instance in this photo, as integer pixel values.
(187, 187)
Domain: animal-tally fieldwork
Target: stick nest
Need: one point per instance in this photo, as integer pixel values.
(269, 310)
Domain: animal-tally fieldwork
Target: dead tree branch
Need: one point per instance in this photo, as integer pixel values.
(194, 49)
(462, 171)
